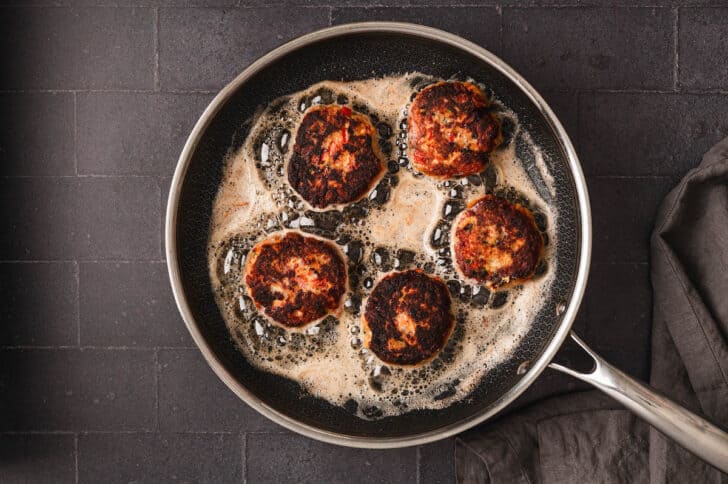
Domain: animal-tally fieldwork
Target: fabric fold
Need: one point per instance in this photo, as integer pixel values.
(585, 437)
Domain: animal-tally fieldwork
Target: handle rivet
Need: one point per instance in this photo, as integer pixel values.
(560, 308)
(523, 367)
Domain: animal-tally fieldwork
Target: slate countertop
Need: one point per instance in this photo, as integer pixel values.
(99, 380)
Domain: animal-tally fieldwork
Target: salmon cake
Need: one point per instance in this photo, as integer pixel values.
(451, 130)
(335, 159)
(497, 243)
(408, 318)
(295, 280)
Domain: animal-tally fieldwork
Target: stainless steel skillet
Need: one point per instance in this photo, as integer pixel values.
(359, 51)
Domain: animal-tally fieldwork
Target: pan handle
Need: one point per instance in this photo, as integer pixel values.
(696, 434)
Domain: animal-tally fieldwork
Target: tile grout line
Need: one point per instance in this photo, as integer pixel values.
(238, 5)
(331, 16)
(90, 261)
(630, 177)
(191, 91)
(502, 46)
(577, 134)
(156, 48)
(75, 454)
(244, 457)
(156, 178)
(163, 219)
(156, 391)
(75, 133)
(676, 50)
(96, 348)
(136, 432)
(41, 177)
(109, 91)
(454, 469)
(418, 461)
(77, 273)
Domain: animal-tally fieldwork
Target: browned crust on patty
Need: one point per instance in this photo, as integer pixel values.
(408, 319)
(334, 159)
(497, 242)
(451, 129)
(294, 279)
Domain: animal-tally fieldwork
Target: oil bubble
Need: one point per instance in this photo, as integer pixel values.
(353, 304)
(378, 377)
(403, 258)
(451, 208)
(313, 330)
(380, 258)
(479, 296)
(475, 180)
(372, 412)
(380, 194)
(283, 140)
(440, 236)
(499, 299)
(456, 192)
(354, 251)
(384, 130)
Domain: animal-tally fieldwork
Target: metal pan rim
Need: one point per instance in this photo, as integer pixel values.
(537, 366)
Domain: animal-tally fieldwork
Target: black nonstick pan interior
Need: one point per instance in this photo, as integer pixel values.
(352, 55)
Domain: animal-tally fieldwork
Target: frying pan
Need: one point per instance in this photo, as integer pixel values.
(360, 51)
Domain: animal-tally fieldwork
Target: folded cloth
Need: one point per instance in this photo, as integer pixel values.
(585, 437)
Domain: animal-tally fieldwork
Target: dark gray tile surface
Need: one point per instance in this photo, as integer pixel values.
(193, 399)
(97, 102)
(146, 457)
(40, 304)
(478, 24)
(224, 42)
(129, 304)
(617, 308)
(122, 3)
(651, 3)
(86, 48)
(631, 134)
(36, 134)
(80, 218)
(623, 210)
(437, 462)
(565, 106)
(577, 48)
(134, 133)
(269, 460)
(73, 389)
(703, 48)
(47, 458)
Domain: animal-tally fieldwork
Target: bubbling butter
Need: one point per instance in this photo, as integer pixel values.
(404, 222)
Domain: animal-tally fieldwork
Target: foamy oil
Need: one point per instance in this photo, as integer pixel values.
(404, 222)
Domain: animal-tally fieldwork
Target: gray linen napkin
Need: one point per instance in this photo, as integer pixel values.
(585, 437)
